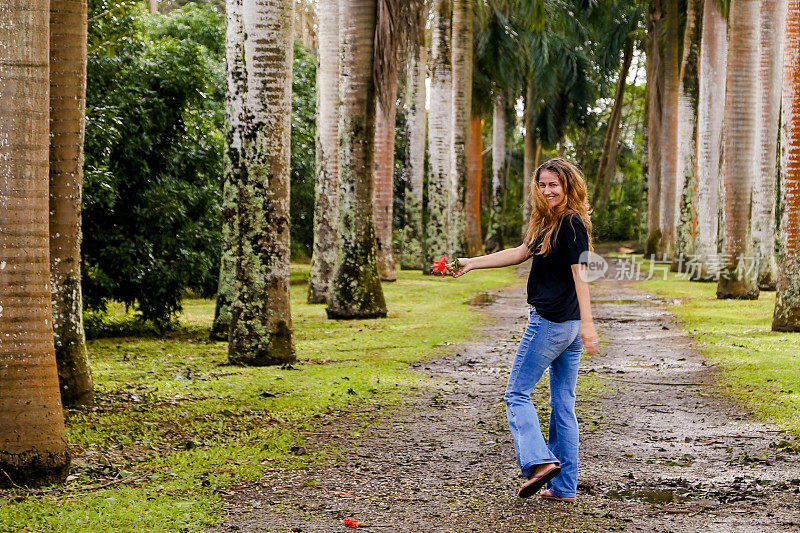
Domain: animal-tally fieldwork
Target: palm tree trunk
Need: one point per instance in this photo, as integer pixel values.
(235, 89)
(528, 155)
(355, 290)
(773, 13)
(439, 137)
(33, 447)
(710, 112)
(383, 191)
(787, 301)
(655, 89)
(741, 140)
(462, 111)
(608, 159)
(494, 233)
(474, 178)
(326, 192)
(687, 129)
(261, 324)
(669, 132)
(67, 104)
(416, 119)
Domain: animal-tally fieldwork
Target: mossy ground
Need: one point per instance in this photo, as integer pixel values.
(175, 424)
(761, 368)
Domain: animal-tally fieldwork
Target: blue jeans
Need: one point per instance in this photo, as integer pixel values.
(555, 345)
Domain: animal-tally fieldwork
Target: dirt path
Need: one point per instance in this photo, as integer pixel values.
(660, 450)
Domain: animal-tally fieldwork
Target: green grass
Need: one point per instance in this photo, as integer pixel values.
(761, 368)
(177, 424)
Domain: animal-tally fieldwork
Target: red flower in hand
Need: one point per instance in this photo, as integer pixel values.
(440, 265)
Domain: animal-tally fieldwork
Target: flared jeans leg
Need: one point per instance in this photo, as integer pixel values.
(543, 344)
(563, 431)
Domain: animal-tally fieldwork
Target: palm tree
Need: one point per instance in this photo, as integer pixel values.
(416, 120)
(261, 325)
(607, 166)
(355, 290)
(787, 302)
(326, 195)
(655, 101)
(669, 167)
(474, 179)
(710, 113)
(688, 96)
(770, 72)
(68, 26)
(383, 192)
(494, 232)
(33, 447)
(235, 89)
(741, 119)
(439, 139)
(461, 65)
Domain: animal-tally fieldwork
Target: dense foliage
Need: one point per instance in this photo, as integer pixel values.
(154, 141)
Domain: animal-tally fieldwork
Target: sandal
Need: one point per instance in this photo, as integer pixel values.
(534, 483)
(547, 494)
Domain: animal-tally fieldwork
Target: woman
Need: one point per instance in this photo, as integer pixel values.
(560, 326)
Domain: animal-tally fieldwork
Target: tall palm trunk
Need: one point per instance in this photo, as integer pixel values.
(687, 129)
(770, 73)
(355, 290)
(787, 301)
(235, 89)
(462, 111)
(67, 104)
(741, 139)
(655, 89)
(669, 169)
(383, 192)
(494, 233)
(474, 178)
(608, 159)
(33, 448)
(416, 119)
(710, 113)
(326, 191)
(528, 155)
(261, 324)
(439, 137)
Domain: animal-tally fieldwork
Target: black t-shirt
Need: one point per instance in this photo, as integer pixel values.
(551, 287)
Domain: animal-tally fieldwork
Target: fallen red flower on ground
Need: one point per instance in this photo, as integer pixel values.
(352, 522)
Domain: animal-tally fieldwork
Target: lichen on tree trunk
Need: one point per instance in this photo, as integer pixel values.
(355, 290)
(411, 256)
(261, 327)
(461, 65)
(67, 104)
(494, 231)
(326, 190)
(439, 138)
(235, 90)
(787, 302)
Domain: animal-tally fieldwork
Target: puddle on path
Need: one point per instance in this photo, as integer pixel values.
(482, 299)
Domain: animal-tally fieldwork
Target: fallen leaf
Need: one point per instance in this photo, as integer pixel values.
(341, 493)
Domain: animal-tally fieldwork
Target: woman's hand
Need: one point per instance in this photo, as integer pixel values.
(589, 337)
(464, 266)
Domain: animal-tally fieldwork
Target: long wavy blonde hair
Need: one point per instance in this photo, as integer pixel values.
(545, 220)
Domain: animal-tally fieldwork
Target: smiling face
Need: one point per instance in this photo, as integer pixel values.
(550, 187)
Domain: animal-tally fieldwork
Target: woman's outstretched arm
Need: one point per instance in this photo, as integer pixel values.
(512, 256)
